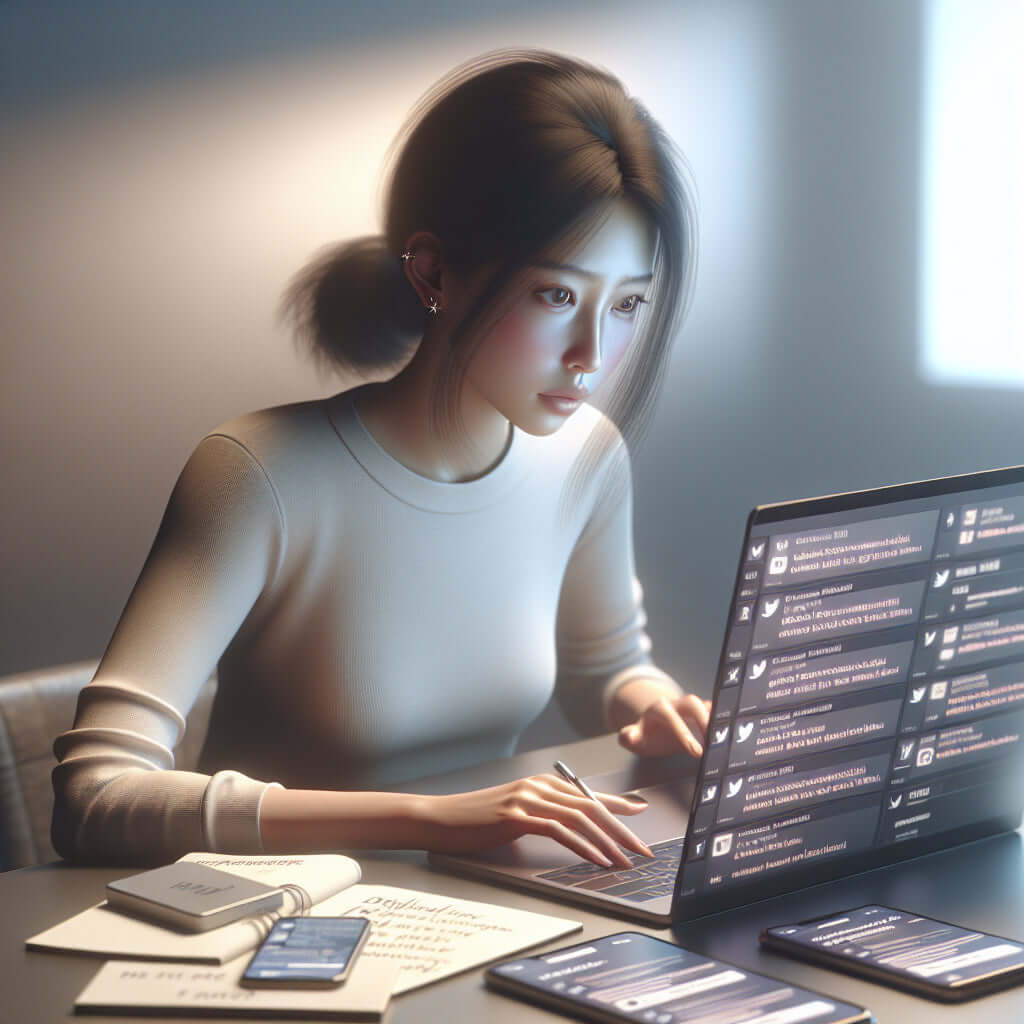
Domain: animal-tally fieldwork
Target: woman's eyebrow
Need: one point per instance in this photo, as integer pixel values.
(574, 269)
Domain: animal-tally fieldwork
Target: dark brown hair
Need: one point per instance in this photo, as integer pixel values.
(512, 159)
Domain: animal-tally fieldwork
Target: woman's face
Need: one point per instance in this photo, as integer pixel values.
(573, 318)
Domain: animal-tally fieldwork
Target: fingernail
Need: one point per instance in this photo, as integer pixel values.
(635, 798)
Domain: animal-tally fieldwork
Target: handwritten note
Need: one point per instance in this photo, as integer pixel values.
(432, 937)
(127, 986)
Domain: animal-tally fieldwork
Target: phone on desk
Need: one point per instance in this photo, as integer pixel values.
(633, 978)
(909, 951)
(307, 952)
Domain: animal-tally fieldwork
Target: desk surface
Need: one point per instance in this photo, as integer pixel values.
(980, 885)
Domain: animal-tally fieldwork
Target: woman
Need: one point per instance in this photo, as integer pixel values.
(393, 581)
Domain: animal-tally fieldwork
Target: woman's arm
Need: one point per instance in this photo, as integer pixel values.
(294, 820)
(117, 795)
(606, 678)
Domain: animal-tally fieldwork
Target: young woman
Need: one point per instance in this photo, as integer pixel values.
(394, 581)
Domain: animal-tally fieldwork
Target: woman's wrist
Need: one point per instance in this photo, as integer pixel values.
(293, 820)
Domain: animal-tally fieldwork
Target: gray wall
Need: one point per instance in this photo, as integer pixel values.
(167, 167)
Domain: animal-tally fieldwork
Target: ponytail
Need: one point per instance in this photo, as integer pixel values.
(352, 307)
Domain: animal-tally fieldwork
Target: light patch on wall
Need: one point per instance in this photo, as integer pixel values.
(972, 257)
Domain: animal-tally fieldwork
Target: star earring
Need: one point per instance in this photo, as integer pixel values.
(432, 306)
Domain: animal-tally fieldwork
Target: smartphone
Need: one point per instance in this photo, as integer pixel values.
(908, 951)
(637, 978)
(307, 952)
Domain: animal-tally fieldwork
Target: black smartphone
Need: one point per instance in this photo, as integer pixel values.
(908, 951)
(639, 979)
(307, 952)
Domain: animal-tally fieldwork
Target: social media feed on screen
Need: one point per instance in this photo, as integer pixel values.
(636, 977)
(870, 704)
(906, 950)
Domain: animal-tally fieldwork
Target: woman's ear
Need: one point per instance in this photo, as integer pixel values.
(424, 267)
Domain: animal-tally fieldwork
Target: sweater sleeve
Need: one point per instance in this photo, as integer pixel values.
(601, 636)
(117, 794)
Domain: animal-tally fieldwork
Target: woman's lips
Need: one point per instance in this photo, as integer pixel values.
(565, 401)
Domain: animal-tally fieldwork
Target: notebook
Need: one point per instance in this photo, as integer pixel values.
(868, 707)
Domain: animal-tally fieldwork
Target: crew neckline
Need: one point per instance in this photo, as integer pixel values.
(421, 491)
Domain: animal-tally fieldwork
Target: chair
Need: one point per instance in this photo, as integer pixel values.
(34, 708)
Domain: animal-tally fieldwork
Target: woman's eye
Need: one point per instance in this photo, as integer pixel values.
(557, 296)
(629, 304)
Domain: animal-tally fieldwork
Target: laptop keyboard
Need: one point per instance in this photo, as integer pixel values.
(646, 880)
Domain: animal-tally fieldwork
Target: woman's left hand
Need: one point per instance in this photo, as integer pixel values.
(668, 725)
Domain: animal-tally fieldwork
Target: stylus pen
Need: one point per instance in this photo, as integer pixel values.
(570, 776)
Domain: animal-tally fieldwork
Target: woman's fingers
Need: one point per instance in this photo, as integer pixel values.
(667, 726)
(664, 714)
(553, 798)
(699, 710)
(658, 732)
(599, 813)
(568, 838)
(580, 824)
(623, 804)
(550, 798)
(696, 714)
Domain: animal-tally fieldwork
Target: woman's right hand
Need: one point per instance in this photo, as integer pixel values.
(543, 805)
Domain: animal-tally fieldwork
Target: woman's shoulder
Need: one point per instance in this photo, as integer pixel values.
(294, 422)
(266, 455)
(295, 434)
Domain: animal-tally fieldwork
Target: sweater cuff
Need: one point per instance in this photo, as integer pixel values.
(628, 675)
(231, 813)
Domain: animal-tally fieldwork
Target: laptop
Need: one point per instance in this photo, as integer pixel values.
(868, 708)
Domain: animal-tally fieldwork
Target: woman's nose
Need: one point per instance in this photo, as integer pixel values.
(585, 353)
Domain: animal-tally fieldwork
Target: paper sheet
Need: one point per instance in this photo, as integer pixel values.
(130, 986)
(432, 937)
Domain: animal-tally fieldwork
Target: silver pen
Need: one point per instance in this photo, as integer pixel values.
(571, 777)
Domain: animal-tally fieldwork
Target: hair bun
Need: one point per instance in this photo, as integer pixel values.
(352, 306)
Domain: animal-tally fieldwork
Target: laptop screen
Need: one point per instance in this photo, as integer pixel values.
(870, 699)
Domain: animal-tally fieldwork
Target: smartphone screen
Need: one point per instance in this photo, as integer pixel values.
(906, 950)
(632, 977)
(307, 951)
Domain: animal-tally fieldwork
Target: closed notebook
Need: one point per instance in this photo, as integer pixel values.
(192, 897)
(101, 931)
